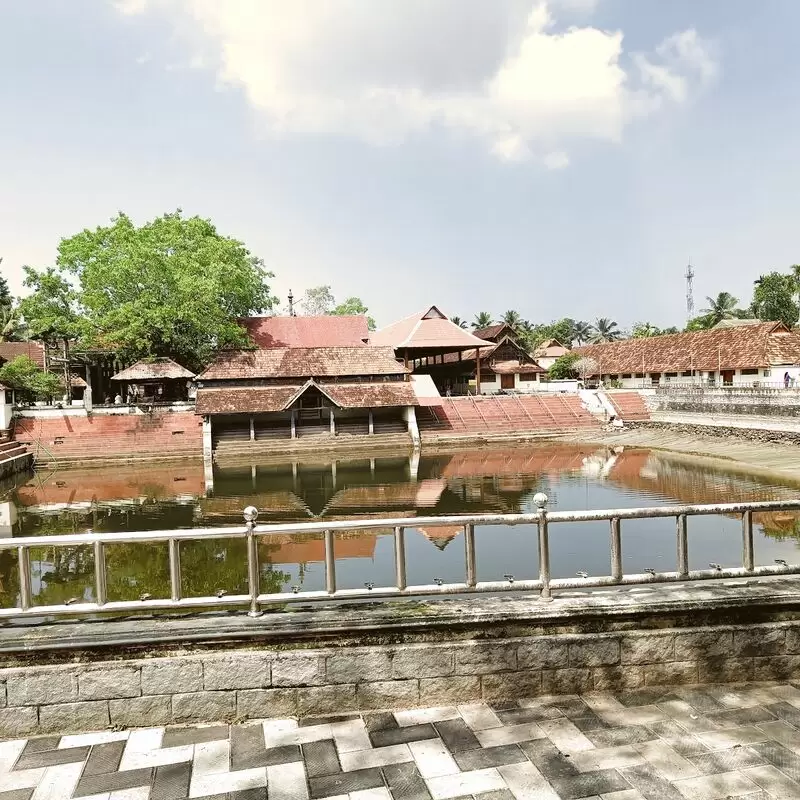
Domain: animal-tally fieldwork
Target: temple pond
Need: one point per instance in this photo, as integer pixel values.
(502, 480)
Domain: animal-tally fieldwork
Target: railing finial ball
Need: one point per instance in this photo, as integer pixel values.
(250, 514)
(540, 498)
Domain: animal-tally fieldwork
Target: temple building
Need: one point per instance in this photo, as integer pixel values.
(282, 391)
(160, 380)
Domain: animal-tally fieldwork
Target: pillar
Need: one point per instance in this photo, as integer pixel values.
(333, 424)
(293, 425)
(371, 423)
(252, 430)
(477, 372)
(208, 463)
(410, 416)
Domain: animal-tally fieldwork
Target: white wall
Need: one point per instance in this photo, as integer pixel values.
(6, 412)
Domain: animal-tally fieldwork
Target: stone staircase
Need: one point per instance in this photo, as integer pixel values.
(14, 457)
(630, 406)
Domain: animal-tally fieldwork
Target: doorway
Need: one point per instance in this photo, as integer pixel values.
(727, 377)
(506, 381)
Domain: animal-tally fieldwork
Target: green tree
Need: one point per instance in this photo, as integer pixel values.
(318, 301)
(563, 368)
(723, 306)
(773, 299)
(605, 330)
(172, 287)
(52, 310)
(512, 319)
(644, 330)
(6, 299)
(354, 306)
(462, 323)
(29, 380)
(482, 320)
(702, 323)
(581, 332)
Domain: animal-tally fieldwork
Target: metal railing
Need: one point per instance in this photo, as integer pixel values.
(255, 600)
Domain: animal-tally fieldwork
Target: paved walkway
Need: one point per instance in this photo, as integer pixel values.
(701, 744)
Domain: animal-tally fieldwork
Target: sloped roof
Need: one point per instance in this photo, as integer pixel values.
(514, 368)
(736, 323)
(488, 352)
(155, 370)
(428, 329)
(302, 362)
(323, 331)
(551, 348)
(257, 400)
(11, 350)
(743, 347)
(492, 332)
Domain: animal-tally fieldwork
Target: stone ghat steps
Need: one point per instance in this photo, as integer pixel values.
(630, 406)
(103, 437)
(505, 414)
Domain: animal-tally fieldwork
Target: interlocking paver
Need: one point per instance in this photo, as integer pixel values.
(650, 744)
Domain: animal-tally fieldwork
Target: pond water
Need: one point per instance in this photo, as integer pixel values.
(502, 480)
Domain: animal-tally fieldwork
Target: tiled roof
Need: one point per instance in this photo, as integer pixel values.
(371, 395)
(245, 400)
(323, 331)
(256, 400)
(550, 349)
(514, 368)
(736, 323)
(11, 350)
(303, 362)
(493, 331)
(742, 347)
(488, 354)
(158, 369)
(427, 329)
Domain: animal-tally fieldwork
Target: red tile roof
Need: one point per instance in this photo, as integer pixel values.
(493, 332)
(550, 349)
(720, 348)
(11, 350)
(428, 329)
(256, 400)
(303, 362)
(514, 368)
(155, 370)
(324, 331)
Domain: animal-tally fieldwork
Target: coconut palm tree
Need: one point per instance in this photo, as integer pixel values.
(581, 332)
(462, 323)
(512, 319)
(723, 306)
(482, 320)
(605, 330)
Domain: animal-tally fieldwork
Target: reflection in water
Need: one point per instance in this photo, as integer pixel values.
(465, 482)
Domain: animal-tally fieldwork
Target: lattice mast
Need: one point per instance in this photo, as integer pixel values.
(689, 292)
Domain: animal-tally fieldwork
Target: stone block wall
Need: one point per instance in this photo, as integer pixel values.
(241, 684)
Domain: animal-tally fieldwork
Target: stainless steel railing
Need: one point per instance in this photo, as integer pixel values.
(255, 600)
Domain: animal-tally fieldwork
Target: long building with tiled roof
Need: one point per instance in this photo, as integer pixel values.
(728, 356)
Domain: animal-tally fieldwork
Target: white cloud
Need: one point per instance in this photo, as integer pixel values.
(381, 72)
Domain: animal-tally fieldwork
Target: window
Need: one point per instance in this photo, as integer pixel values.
(686, 374)
(672, 374)
(489, 377)
(527, 376)
(767, 373)
(749, 372)
(640, 375)
(626, 376)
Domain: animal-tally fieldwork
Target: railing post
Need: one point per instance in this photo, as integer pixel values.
(175, 569)
(400, 557)
(544, 546)
(683, 548)
(24, 559)
(330, 563)
(469, 552)
(253, 572)
(748, 559)
(100, 584)
(616, 550)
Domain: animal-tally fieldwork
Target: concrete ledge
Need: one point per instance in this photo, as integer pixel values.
(375, 657)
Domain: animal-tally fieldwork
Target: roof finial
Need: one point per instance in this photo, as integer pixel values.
(291, 304)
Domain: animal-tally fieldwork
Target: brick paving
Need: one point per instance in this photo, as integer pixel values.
(693, 743)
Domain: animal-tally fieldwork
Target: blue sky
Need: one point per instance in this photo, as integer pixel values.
(560, 158)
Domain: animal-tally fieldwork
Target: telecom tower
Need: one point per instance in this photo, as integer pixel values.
(689, 292)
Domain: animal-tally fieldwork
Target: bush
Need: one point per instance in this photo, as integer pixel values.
(29, 380)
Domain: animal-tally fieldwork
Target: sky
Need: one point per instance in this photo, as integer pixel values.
(561, 158)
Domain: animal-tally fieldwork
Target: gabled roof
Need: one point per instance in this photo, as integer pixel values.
(743, 347)
(488, 353)
(11, 350)
(551, 348)
(494, 332)
(302, 362)
(155, 370)
(322, 331)
(429, 329)
(263, 399)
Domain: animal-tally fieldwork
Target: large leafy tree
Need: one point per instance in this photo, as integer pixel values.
(173, 287)
(29, 380)
(10, 322)
(564, 367)
(773, 298)
(482, 320)
(351, 306)
(318, 301)
(605, 330)
(723, 306)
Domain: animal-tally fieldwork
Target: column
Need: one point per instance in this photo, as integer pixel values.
(208, 463)
(477, 371)
(371, 423)
(411, 418)
(293, 424)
